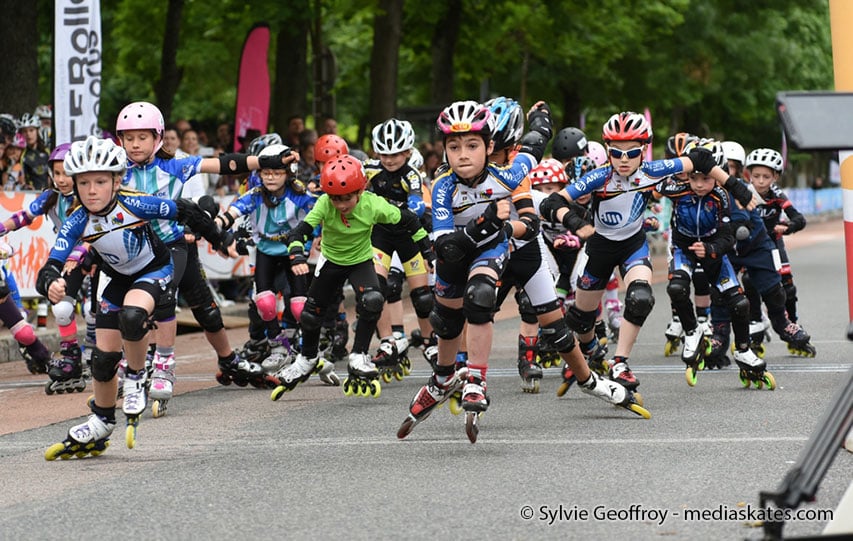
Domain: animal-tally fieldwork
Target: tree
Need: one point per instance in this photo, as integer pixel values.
(290, 86)
(19, 91)
(170, 74)
(387, 29)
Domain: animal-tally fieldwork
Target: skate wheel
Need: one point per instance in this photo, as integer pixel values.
(222, 379)
(347, 387)
(405, 428)
(158, 408)
(454, 405)
(638, 398)
(640, 410)
(54, 451)
(563, 388)
(130, 436)
(760, 350)
(386, 376)
(398, 373)
(47, 389)
(668, 349)
(690, 376)
(90, 401)
(375, 389)
(471, 428)
(769, 381)
(364, 389)
(743, 379)
(277, 392)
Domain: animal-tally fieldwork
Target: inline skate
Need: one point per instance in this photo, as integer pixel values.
(475, 402)
(66, 371)
(387, 361)
(718, 357)
(292, 375)
(280, 354)
(620, 372)
(135, 401)
(428, 346)
(753, 370)
(798, 340)
(673, 334)
(757, 335)
(595, 353)
(256, 351)
(403, 345)
(89, 438)
(696, 348)
(362, 378)
(429, 397)
(162, 383)
(528, 368)
(613, 309)
(569, 379)
(237, 370)
(616, 394)
(36, 356)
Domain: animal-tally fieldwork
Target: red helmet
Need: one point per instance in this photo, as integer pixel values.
(328, 147)
(342, 176)
(547, 172)
(627, 126)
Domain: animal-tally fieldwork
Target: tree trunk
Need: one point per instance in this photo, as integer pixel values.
(170, 74)
(444, 38)
(290, 88)
(387, 32)
(19, 88)
(572, 109)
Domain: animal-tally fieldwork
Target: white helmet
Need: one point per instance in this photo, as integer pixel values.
(393, 136)
(95, 154)
(29, 121)
(273, 150)
(416, 160)
(466, 117)
(714, 146)
(734, 151)
(766, 157)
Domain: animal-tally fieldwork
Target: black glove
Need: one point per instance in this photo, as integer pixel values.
(191, 214)
(297, 256)
(739, 191)
(207, 204)
(274, 162)
(51, 272)
(298, 233)
(549, 207)
(703, 160)
(539, 120)
(425, 247)
(485, 225)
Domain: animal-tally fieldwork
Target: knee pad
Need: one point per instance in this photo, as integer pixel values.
(478, 304)
(209, 317)
(104, 364)
(297, 304)
(265, 302)
(558, 336)
(678, 288)
(446, 322)
(370, 304)
(639, 301)
(422, 301)
(525, 307)
(774, 298)
(312, 316)
(738, 306)
(164, 310)
(580, 321)
(63, 312)
(133, 322)
(394, 288)
(23, 333)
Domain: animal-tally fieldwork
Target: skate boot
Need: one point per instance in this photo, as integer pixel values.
(363, 378)
(705, 324)
(162, 383)
(66, 371)
(753, 370)
(600, 331)
(402, 343)
(620, 372)
(757, 333)
(256, 351)
(429, 397)
(475, 402)
(528, 368)
(673, 334)
(135, 401)
(279, 354)
(613, 309)
(326, 373)
(595, 353)
(289, 377)
(431, 351)
(615, 393)
(36, 356)
(696, 346)
(798, 341)
(235, 369)
(568, 379)
(387, 362)
(89, 438)
(718, 357)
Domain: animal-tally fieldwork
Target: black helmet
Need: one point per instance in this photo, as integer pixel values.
(568, 143)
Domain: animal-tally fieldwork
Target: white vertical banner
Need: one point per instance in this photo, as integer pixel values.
(77, 69)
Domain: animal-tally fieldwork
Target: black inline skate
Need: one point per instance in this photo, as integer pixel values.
(595, 353)
(428, 346)
(387, 361)
(36, 356)
(237, 370)
(66, 371)
(718, 356)
(528, 368)
(569, 379)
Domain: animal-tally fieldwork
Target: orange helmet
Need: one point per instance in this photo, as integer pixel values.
(328, 147)
(342, 176)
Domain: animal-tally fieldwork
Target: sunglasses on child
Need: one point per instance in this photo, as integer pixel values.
(631, 153)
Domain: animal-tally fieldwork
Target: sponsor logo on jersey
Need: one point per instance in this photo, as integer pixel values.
(164, 209)
(611, 217)
(61, 245)
(441, 213)
(118, 219)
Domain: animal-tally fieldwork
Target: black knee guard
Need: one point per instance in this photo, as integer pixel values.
(134, 323)
(639, 302)
(422, 301)
(738, 305)
(678, 288)
(790, 288)
(525, 307)
(164, 310)
(775, 298)
(369, 304)
(209, 317)
(312, 316)
(580, 321)
(446, 322)
(701, 285)
(478, 304)
(105, 364)
(394, 289)
(557, 336)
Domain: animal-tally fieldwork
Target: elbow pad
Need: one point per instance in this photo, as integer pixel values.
(533, 143)
(531, 225)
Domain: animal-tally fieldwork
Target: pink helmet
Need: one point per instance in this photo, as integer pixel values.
(627, 126)
(596, 152)
(141, 115)
(19, 141)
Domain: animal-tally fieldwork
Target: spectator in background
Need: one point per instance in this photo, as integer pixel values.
(172, 141)
(13, 169)
(308, 167)
(327, 125)
(817, 183)
(431, 162)
(225, 137)
(295, 127)
(183, 125)
(34, 158)
(201, 181)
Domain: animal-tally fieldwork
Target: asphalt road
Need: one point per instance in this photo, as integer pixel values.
(229, 462)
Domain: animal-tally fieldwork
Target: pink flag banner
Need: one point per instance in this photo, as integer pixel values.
(648, 115)
(253, 84)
